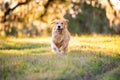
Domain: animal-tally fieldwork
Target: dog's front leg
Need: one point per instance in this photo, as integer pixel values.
(63, 48)
(54, 48)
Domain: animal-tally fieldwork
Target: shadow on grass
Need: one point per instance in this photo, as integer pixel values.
(21, 46)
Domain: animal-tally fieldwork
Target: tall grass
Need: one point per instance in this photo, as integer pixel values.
(88, 58)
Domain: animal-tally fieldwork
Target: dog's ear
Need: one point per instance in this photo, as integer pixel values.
(66, 21)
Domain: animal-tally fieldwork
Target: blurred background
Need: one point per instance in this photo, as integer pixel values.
(31, 18)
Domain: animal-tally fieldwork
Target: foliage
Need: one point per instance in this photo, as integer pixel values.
(33, 17)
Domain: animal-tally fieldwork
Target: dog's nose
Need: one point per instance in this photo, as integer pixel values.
(58, 26)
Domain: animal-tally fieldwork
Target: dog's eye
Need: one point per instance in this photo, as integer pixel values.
(57, 23)
(61, 23)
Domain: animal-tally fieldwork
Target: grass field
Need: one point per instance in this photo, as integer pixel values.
(89, 58)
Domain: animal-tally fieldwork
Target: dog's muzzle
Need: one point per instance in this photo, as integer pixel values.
(59, 30)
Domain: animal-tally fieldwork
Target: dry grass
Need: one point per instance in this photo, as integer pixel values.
(89, 58)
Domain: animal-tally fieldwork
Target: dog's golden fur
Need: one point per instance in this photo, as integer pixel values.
(60, 36)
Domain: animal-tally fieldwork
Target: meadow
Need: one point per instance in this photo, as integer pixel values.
(89, 58)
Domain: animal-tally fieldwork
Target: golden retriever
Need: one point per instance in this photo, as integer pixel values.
(60, 36)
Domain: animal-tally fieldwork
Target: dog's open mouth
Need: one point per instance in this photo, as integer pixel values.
(60, 30)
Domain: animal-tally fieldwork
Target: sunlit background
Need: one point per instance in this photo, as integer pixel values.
(33, 17)
(25, 40)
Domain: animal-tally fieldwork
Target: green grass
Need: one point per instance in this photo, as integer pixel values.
(88, 58)
(110, 75)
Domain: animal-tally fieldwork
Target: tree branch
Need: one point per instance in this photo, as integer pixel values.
(9, 9)
(46, 6)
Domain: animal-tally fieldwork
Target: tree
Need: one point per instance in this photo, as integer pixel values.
(33, 17)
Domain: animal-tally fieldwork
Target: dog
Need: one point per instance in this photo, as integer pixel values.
(60, 36)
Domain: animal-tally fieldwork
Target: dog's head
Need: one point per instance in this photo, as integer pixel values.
(60, 25)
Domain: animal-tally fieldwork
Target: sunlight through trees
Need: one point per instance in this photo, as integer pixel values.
(33, 17)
